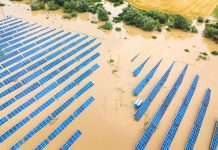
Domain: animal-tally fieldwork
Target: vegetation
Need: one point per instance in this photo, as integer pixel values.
(214, 53)
(203, 56)
(117, 19)
(1, 4)
(117, 2)
(186, 50)
(153, 20)
(211, 31)
(37, 6)
(52, 5)
(200, 19)
(108, 26)
(102, 14)
(118, 29)
(154, 37)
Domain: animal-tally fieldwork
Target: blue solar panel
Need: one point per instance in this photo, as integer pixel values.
(145, 81)
(72, 99)
(173, 129)
(42, 145)
(72, 139)
(60, 128)
(214, 141)
(158, 116)
(144, 106)
(196, 129)
(133, 59)
(46, 78)
(83, 107)
(140, 67)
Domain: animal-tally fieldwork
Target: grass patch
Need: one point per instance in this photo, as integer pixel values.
(214, 53)
(215, 12)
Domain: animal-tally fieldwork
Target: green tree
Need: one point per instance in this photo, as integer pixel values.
(102, 14)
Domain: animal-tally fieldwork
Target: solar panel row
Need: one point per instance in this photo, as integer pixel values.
(145, 80)
(144, 106)
(47, 119)
(174, 127)
(199, 120)
(156, 119)
(140, 67)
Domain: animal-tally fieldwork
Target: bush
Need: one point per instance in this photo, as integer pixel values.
(73, 14)
(117, 2)
(118, 29)
(94, 8)
(194, 29)
(179, 22)
(211, 31)
(52, 6)
(200, 19)
(82, 6)
(117, 19)
(70, 6)
(214, 53)
(59, 2)
(108, 26)
(37, 6)
(66, 16)
(1, 4)
(102, 14)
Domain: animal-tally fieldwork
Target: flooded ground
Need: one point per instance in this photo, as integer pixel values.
(108, 124)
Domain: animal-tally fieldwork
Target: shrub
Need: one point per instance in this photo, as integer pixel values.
(108, 26)
(186, 50)
(179, 22)
(200, 19)
(194, 29)
(1, 4)
(59, 2)
(211, 31)
(102, 14)
(118, 29)
(82, 6)
(70, 6)
(66, 16)
(37, 6)
(73, 14)
(117, 19)
(154, 37)
(214, 53)
(52, 6)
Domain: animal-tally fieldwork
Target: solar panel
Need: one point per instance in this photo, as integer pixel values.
(174, 127)
(196, 129)
(146, 79)
(155, 121)
(140, 67)
(144, 106)
(72, 140)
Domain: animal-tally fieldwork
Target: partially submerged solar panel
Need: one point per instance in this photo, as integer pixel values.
(30, 51)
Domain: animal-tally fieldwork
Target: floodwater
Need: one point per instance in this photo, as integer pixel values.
(108, 124)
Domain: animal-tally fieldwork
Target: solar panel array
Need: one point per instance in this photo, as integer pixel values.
(29, 52)
(159, 114)
(146, 79)
(214, 142)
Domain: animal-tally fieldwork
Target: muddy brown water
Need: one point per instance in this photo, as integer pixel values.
(108, 124)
